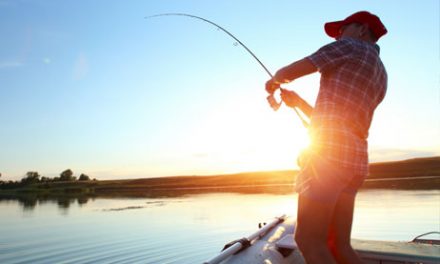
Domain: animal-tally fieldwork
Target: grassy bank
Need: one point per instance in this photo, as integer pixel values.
(407, 174)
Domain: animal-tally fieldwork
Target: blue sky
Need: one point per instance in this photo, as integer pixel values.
(94, 87)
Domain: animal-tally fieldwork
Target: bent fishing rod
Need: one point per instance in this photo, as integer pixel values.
(271, 99)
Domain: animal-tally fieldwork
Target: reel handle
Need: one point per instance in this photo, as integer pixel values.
(276, 105)
(273, 102)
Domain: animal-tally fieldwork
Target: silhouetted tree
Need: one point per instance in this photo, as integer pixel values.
(45, 179)
(67, 175)
(31, 177)
(84, 177)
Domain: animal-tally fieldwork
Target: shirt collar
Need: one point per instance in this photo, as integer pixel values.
(376, 47)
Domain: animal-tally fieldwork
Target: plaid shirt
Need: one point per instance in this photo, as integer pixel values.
(353, 83)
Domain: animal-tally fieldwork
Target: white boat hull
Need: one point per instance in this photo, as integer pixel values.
(277, 246)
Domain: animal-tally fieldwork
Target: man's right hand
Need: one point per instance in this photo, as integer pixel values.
(272, 86)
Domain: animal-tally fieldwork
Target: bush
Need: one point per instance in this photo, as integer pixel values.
(67, 175)
(31, 177)
(84, 177)
(45, 179)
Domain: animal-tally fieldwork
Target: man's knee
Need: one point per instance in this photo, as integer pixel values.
(306, 241)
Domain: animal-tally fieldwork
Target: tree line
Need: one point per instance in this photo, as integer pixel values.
(32, 177)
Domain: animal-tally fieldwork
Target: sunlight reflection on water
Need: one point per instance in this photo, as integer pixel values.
(186, 229)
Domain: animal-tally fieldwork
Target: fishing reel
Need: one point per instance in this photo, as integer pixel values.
(273, 102)
(277, 104)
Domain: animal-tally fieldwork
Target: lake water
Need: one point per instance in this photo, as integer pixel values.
(185, 229)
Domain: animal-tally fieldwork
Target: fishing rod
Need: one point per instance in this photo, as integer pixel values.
(271, 99)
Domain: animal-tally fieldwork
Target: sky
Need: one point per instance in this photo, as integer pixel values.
(95, 87)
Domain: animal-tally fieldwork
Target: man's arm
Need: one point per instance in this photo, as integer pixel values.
(287, 74)
(294, 71)
(290, 73)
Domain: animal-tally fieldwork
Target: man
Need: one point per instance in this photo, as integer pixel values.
(353, 82)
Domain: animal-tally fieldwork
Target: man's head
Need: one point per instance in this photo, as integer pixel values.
(361, 25)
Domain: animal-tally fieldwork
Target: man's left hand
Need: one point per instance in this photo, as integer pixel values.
(290, 98)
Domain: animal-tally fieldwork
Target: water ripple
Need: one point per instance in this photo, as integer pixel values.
(173, 233)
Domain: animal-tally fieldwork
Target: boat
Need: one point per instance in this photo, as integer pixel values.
(274, 243)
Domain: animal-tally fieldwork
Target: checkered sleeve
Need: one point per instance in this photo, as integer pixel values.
(332, 55)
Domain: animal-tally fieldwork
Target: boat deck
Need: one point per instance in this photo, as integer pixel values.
(278, 247)
(385, 252)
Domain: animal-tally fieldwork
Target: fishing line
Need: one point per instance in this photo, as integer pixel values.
(274, 104)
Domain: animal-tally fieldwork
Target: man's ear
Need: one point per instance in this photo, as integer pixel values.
(366, 33)
(364, 30)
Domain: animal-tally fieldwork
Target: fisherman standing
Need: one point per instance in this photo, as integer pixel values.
(353, 83)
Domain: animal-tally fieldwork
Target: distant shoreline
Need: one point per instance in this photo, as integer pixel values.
(419, 173)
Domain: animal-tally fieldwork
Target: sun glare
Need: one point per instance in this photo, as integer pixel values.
(251, 139)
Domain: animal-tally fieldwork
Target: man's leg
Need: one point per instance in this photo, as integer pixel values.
(340, 230)
(313, 222)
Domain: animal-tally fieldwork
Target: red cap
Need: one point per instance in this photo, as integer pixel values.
(362, 17)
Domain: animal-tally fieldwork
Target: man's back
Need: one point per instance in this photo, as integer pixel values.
(353, 83)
